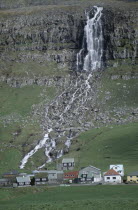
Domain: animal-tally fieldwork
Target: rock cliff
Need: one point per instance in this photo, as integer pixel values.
(54, 34)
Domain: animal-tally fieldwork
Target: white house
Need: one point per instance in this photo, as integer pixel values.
(111, 176)
(118, 168)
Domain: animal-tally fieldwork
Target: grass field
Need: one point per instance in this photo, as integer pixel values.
(108, 145)
(79, 197)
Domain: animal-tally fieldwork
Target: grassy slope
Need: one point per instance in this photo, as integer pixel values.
(107, 145)
(20, 100)
(30, 69)
(18, 137)
(121, 93)
(86, 197)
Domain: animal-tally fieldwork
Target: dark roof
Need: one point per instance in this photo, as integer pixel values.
(11, 173)
(135, 173)
(111, 172)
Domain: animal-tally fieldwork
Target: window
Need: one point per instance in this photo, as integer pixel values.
(70, 164)
(64, 164)
(108, 177)
(114, 177)
(130, 176)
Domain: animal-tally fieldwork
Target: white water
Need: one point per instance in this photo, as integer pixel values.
(80, 92)
(37, 147)
(94, 39)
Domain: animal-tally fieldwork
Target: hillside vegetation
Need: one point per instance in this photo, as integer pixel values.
(108, 145)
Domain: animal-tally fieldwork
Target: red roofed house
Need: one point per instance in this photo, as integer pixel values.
(71, 175)
(111, 176)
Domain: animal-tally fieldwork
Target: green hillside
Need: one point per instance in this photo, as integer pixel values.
(108, 145)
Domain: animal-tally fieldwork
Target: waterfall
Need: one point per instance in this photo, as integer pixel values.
(73, 103)
(89, 57)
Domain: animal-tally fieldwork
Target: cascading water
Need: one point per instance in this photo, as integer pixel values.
(89, 57)
(72, 108)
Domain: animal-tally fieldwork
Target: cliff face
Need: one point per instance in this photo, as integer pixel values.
(55, 34)
(121, 36)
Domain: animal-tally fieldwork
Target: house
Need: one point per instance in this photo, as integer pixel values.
(111, 176)
(133, 177)
(118, 168)
(11, 176)
(55, 177)
(41, 179)
(71, 175)
(51, 176)
(68, 164)
(90, 173)
(4, 182)
(23, 181)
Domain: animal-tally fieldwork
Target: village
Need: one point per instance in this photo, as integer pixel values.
(64, 175)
